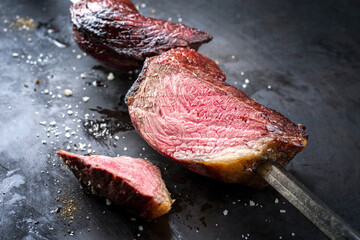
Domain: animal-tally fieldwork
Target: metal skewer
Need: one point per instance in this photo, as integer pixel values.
(306, 202)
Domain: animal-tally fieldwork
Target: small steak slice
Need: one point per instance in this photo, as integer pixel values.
(182, 107)
(115, 33)
(130, 182)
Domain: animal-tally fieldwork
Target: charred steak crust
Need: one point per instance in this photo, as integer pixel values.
(185, 111)
(115, 33)
(122, 181)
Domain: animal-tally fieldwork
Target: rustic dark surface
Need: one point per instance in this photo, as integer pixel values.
(308, 53)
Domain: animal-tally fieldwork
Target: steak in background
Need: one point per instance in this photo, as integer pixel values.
(116, 34)
(182, 107)
(130, 182)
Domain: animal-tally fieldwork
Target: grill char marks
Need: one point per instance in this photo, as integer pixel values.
(130, 182)
(182, 107)
(115, 33)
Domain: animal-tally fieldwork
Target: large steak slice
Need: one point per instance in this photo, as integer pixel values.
(182, 107)
(130, 182)
(115, 33)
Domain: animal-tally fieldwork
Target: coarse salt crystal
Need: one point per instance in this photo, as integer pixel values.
(111, 76)
(282, 211)
(68, 135)
(15, 55)
(225, 212)
(251, 203)
(85, 99)
(83, 75)
(53, 123)
(68, 92)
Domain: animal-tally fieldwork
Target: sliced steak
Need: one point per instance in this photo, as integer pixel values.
(130, 182)
(182, 107)
(115, 33)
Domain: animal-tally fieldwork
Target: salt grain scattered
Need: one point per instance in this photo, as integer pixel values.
(67, 135)
(141, 228)
(251, 203)
(85, 99)
(83, 75)
(225, 212)
(276, 200)
(53, 123)
(78, 56)
(282, 211)
(111, 76)
(15, 55)
(68, 92)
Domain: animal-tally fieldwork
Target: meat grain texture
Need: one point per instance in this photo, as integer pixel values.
(115, 33)
(182, 106)
(125, 181)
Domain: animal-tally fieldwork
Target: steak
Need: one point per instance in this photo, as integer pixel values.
(116, 34)
(130, 182)
(182, 107)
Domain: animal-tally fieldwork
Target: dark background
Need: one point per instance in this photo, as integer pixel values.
(300, 57)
